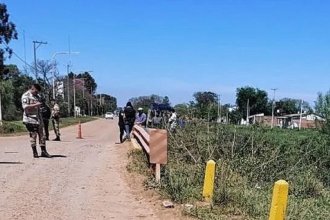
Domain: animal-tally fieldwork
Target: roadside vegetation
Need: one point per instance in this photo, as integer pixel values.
(14, 127)
(249, 161)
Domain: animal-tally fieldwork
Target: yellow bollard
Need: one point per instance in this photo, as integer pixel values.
(209, 181)
(280, 200)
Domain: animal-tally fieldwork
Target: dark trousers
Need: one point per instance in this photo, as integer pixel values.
(121, 132)
(46, 125)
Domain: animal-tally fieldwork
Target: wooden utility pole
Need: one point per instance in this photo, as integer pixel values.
(273, 108)
(36, 45)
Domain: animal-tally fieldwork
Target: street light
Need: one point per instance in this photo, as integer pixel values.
(53, 58)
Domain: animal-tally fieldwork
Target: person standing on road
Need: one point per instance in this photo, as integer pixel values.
(56, 120)
(46, 113)
(121, 125)
(129, 119)
(32, 119)
(141, 117)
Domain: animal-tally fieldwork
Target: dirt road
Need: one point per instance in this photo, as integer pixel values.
(84, 180)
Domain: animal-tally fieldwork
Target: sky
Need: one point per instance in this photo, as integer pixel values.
(178, 47)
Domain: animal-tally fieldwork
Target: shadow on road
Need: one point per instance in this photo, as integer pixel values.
(11, 162)
(58, 156)
(54, 156)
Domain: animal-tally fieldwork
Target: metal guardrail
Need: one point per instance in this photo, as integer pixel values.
(154, 143)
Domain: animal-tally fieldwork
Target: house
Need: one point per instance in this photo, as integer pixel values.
(288, 121)
(293, 121)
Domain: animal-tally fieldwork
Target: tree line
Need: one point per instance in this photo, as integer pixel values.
(249, 101)
(78, 87)
(15, 83)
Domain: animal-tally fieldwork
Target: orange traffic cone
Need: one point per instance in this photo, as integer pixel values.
(79, 131)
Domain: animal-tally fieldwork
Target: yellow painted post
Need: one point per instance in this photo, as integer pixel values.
(209, 181)
(280, 200)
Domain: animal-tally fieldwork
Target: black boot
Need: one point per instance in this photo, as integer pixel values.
(35, 152)
(44, 152)
(57, 138)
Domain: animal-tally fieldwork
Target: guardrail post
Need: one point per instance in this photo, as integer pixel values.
(279, 201)
(209, 181)
(157, 173)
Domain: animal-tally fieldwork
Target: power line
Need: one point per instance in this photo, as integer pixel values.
(21, 59)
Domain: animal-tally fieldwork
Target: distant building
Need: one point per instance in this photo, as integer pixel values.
(288, 121)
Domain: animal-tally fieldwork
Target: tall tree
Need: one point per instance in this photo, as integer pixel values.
(256, 99)
(206, 105)
(7, 33)
(108, 103)
(322, 108)
(47, 72)
(182, 109)
(322, 105)
(89, 81)
(291, 106)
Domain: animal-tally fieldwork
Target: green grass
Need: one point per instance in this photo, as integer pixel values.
(249, 161)
(16, 127)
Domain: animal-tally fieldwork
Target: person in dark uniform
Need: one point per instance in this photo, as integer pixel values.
(32, 119)
(129, 119)
(46, 113)
(121, 125)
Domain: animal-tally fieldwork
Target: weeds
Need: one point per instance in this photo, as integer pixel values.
(249, 161)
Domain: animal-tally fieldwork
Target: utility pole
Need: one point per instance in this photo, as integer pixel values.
(36, 45)
(91, 110)
(273, 108)
(301, 109)
(218, 106)
(100, 106)
(74, 95)
(247, 112)
(25, 67)
(219, 111)
(0, 108)
(68, 89)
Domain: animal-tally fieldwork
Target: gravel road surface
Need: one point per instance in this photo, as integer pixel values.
(82, 181)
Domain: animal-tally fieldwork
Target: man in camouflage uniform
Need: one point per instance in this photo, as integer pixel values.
(56, 120)
(33, 121)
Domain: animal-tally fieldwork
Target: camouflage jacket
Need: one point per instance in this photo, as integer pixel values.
(31, 116)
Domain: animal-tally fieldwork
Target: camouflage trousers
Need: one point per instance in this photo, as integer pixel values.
(36, 131)
(56, 126)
